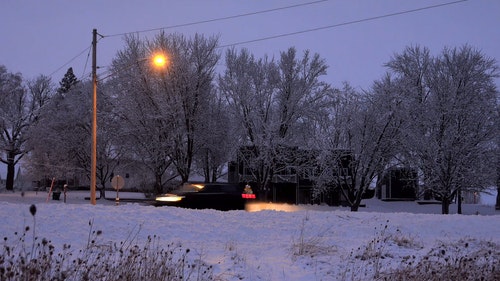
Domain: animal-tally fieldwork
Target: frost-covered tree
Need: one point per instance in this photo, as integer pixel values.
(41, 90)
(14, 122)
(301, 97)
(142, 110)
(61, 139)
(274, 103)
(163, 110)
(52, 137)
(249, 87)
(359, 141)
(19, 110)
(450, 111)
(214, 142)
(188, 87)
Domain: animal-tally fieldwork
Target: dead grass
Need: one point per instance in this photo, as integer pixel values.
(27, 257)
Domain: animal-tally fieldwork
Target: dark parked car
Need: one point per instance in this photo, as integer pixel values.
(218, 196)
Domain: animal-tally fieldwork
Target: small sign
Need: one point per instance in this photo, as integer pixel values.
(117, 182)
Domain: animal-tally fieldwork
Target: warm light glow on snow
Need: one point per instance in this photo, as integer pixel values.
(169, 198)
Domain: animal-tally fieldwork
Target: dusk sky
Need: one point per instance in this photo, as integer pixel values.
(355, 37)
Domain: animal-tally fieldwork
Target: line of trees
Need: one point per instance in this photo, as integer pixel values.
(438, 114)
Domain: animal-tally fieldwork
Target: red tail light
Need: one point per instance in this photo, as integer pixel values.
(248, 196)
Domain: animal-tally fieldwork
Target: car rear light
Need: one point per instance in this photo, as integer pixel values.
(248, 196)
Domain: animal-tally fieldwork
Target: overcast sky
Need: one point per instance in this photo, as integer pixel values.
(42, 37)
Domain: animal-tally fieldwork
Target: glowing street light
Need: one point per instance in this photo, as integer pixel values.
(159, 60)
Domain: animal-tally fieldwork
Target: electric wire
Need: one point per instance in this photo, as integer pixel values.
(218, 19)
(71, 60)
(341, 24)
(273, 36)
(187, 24)
(89, 48)
(85, 66)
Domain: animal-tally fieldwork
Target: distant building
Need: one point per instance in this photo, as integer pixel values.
(292, 174)
(398, 183)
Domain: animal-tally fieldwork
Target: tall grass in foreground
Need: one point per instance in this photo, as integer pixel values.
(40, 261)
(389, 255)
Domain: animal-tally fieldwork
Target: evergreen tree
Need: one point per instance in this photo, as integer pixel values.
(68, 81)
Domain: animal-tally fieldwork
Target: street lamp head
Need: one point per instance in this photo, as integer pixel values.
(160, 60)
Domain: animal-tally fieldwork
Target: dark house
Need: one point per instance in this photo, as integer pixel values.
(292, 174)
(398, 183)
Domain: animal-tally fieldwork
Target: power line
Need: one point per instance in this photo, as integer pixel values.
(219, 19)
(341, 24)
(72, 59)
(86, 63)
(278, 35)
(186, 24)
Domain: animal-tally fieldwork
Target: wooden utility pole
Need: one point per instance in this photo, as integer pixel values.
(93, 169)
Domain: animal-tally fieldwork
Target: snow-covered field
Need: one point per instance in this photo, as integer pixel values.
(267, 242)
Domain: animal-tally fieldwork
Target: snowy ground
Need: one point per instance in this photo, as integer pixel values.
(257, 244)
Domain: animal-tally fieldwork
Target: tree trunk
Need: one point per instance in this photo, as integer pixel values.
(101, 182)
(214, 174)
(11, 170)
(158, 185)
(445, 205)
(206, 168)
(497, 207)
(102, 187)
(102, 192)
(185, 177)
(356, 202)
(459, 201)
